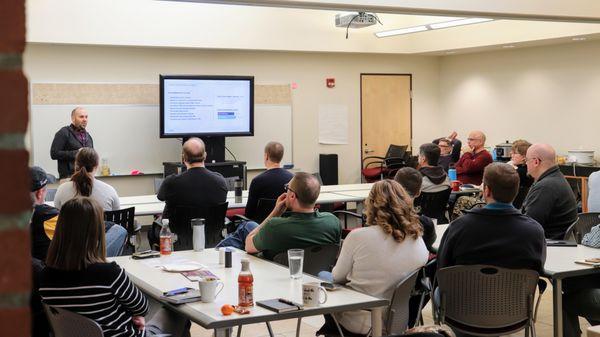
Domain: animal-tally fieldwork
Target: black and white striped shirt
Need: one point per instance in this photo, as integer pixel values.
(102, 292)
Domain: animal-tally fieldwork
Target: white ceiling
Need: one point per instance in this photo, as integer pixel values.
(200, 25)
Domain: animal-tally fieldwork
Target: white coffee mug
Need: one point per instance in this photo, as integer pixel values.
(311, 294)
(208, 289)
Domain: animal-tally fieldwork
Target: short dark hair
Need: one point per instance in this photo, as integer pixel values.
(410, 179)
(79, 238)
(274, 151)
(503, 180)
(431, 152)
(306, 187)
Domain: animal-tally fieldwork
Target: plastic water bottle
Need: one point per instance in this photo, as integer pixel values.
(166, 238)
(452, 174)
(199, 240)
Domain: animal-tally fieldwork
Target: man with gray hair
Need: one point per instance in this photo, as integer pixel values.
(68, 140)
(550, 200)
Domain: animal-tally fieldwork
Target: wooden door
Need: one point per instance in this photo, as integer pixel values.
(385, 113)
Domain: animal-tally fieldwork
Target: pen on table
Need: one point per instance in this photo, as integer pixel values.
(176, 292)
(288, 302)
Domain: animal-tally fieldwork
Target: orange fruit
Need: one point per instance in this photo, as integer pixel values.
(227, 309)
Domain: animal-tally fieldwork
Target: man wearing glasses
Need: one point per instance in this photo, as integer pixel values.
(550, 200)
(469, 168)
(293, 223)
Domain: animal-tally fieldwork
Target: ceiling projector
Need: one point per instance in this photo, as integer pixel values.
(355, 20)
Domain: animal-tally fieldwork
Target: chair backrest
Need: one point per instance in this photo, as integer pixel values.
(396, 151)
(398, 311)
(65, 323)
(583, 225)
(486, 298)
(263, 209)
(316, 258)
(214, 222)
(50, 193)
(157, 183)
(124, 217)
(434, 205)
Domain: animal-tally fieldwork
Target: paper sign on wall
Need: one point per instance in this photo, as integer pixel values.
(333, 124)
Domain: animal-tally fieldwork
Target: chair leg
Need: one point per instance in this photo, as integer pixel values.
(338, 326)
(270, 329)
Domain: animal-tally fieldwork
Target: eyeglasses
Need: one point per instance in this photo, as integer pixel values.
(534, 158)
(286, 188)
(472, 139)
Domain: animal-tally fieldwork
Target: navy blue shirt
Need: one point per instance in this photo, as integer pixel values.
(267, 185)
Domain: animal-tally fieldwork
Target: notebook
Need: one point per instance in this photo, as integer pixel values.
(279, 306)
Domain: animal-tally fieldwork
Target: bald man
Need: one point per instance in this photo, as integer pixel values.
(550, 200)
(197, 186)
(469, 168)
(68, 140)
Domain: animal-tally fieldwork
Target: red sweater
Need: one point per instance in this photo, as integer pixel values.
(469, 168)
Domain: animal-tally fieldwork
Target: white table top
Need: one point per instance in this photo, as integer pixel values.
(346, 187)
(270, 281)
(560, 261)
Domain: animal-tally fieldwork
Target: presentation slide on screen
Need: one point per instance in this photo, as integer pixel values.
(206, 106)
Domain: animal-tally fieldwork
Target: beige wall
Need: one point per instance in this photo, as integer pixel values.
(543, 94)
(62, 63)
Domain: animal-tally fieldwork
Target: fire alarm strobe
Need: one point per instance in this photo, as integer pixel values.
(330, 82)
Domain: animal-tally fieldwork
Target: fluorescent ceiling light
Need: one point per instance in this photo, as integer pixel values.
(401, 31)
(439, 25)
(460, 22)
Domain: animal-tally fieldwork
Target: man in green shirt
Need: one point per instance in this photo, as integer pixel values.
(300, 227)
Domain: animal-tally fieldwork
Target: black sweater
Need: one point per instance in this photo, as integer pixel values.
(551, 202)
(267, 185)
(499, 237)
(64, 149)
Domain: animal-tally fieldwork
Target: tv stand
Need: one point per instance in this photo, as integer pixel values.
(215, 148)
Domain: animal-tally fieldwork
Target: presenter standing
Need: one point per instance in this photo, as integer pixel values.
(68, 140)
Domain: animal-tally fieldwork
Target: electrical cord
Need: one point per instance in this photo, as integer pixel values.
(231, 153)
(358, 15)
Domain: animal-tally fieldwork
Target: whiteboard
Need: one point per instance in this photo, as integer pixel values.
(127, 136)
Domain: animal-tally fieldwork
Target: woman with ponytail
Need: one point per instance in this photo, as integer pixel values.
(375, 258)
(83, 183)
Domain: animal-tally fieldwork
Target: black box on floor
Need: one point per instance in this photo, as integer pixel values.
(328, 168)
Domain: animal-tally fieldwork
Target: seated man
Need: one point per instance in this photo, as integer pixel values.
(44, 218)
(411, 180)
(550, 200)
(435, 178)
(301, 227)
(455, 145)
(197, 186)
(269, 184)
(446, 159)
(497, 234)
(469, 168)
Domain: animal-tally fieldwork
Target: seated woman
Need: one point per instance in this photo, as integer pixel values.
(84, 184)
(517, 160)
(375, 258)
(78, 278)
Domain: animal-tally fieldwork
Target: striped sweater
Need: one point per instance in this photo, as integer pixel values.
(102, 292)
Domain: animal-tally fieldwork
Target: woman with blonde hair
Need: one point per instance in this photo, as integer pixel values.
(374, 259)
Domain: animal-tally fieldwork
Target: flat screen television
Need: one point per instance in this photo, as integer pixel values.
(206, 106)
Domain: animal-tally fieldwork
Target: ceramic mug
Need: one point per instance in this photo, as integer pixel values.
(208, 289)
(311, 294)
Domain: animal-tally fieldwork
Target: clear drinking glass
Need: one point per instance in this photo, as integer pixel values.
(295, 262)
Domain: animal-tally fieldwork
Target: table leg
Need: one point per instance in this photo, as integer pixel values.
(377, 321)
(224, 332)
(557, 307)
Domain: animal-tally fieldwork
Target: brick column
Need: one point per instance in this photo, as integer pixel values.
(15, 203)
